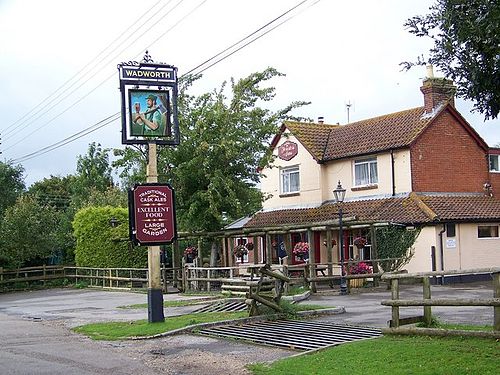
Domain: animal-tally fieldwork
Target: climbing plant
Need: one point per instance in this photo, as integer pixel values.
(395, 242)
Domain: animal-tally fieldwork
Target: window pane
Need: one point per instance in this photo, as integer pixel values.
(487, 231)
(294, 181)
(361, 174)
(373, 173)
(290, 180)
(494, 163)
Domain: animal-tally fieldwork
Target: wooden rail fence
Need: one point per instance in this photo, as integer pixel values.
(427, 302)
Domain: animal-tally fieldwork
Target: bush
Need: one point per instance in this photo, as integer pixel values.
(98, 244)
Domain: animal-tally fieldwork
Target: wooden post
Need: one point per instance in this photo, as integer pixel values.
(427, 295)
(269, 259)
(175, 263)
(395, 309)
(256, 246)
(288, 246)
(329, 251)
(312, 259)
(155, 294)
(44, 274)
(374, 254)
(209, 275)
(224, 261)
(496, 294)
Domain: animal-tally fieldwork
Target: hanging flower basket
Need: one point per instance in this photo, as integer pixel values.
(249, 246)
(191, 251)
(359, 242)
(301, 249)
(240, 251)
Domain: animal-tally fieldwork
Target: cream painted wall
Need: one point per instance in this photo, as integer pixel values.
(310, 179)
(421, 260)
(481, 252)
(317, 181)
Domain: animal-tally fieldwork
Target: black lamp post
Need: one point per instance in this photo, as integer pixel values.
(114, 222)
(339, 193)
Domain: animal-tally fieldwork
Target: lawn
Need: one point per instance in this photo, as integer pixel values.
(125, 330)
(420, 355)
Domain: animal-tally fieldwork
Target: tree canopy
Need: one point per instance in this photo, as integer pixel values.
(466, 48)
(11, 184)
(225, 137)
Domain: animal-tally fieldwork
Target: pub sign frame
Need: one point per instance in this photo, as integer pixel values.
(153, 213)
(149, 103)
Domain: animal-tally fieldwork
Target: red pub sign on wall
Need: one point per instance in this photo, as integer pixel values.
(152, 214)
(288, 150)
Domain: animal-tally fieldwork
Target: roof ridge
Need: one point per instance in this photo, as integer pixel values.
(384, 115)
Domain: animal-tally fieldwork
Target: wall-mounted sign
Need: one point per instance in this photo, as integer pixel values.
(152, 214)
(288, 150)
(149, 103)
(451, 243)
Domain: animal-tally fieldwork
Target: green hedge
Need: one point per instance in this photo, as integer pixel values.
(98, 244)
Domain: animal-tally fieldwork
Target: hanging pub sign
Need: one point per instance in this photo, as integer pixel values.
(149, 102)
(152, 214)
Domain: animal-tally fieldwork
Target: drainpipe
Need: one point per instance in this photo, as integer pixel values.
(441, 251)
(393, 174)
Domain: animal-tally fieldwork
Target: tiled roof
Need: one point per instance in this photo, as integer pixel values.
(414, 209)
(328, 142)
(313, 137)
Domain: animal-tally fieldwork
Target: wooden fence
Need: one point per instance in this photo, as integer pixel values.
(117, 278)
(427, 302)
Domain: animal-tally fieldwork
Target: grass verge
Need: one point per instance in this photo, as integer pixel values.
(125, 330)
(420, 355)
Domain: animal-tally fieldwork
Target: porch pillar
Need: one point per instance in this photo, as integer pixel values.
(256, 246)
(312, 260)
(329, 250)
(374, 254)
(269, 258)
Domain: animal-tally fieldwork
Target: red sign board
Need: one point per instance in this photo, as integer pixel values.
(153, 214)
(288, 150)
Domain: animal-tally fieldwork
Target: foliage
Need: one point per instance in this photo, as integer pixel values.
(395, 241)
(28, 233)
(225, 137)
(466, 48)
(301, 248)
(393, 355)
(111, 196)
(98, 244)
(360, 269)
(93, 173)
(11, 184)
(124, 330)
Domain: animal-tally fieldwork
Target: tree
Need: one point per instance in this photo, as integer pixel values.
(93, 172)
(28, 233)
(466, 48)
(11, 185)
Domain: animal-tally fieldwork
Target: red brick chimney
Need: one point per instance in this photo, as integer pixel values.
(437, 91)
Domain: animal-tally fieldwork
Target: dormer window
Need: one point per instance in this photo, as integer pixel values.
(289, 180)
(365, 172)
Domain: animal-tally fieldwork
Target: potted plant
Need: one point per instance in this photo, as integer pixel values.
(301, 249)
(190, 253)
(360, 268)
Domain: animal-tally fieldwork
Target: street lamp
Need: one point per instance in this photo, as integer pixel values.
(339, 193)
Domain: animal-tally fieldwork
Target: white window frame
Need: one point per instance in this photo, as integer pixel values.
(287, 172)
(488, 237)
(372, 180)
(491, 157)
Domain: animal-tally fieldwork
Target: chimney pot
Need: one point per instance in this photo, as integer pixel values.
(321, 120)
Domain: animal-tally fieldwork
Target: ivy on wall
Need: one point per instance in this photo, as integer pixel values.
(395, 242)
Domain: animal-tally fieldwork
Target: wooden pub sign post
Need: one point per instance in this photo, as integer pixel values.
(149, 116)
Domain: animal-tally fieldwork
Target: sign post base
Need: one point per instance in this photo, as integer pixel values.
(155, 306)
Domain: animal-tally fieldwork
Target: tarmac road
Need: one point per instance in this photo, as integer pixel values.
(35, 335)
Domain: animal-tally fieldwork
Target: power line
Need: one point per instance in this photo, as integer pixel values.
(95, 127)
(91, 62)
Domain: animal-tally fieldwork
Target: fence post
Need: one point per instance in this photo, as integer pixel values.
(209, 284)
(1, 273)
(496, 294)
(427, 295)
(395, 309)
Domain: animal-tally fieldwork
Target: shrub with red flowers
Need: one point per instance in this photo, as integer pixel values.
(249, 246)
(359, 242)
(360, 269)
(191, 251)
(300, 248)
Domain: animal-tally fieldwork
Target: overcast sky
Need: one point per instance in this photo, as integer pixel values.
(332, 52)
